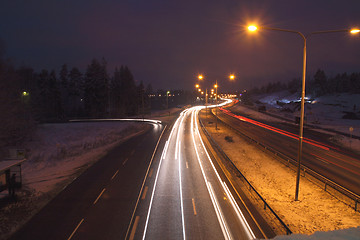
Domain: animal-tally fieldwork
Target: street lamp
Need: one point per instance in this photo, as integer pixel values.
(253, 28)
(216, 102)
(167, 99)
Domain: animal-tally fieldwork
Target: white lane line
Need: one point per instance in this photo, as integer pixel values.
(219, 214)
(194, 208)
(142, 185)
(181, 196)
(72, 234)
(156, 178)
(97, 199)
(151, 172)
(221, 219)
(235, 206)
(144, 193)
(125, 161)
(178, 156)
(187, 165)
(133, 230)
(241, 216)
(114, 174)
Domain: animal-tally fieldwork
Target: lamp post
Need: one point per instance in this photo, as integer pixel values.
(216, 102)
(254, 28)
(167, 99)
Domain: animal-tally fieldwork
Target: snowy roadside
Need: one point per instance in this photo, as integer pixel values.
(316, 210)
(324, 113)
(58, 151)
(57, 154)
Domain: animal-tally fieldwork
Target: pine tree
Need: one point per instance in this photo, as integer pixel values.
(320, 82)
(64, 76)
(64, 91)
(128, 91)
(117, 108)
(141, 98)
(75, 88)
(96, 89)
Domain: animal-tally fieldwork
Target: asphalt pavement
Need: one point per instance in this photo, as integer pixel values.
(326, 159)
(99, 203)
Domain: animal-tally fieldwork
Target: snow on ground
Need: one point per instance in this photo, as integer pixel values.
(57, 154)
(323, 113)
(316, 210)
(347, 234)
(58, 151)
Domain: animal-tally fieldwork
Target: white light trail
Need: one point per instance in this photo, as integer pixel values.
(178, 156)
(226, 190)
(181, 197)
(245, 224)
(218, 211)
(163, 155)
(116, 119)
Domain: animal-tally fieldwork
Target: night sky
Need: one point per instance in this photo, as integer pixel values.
(167, 43)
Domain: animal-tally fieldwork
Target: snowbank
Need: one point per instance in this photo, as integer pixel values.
(324, 114)
(316, 211)
(344, 234)
(58, 151)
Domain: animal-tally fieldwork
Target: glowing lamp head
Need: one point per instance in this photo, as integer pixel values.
(355, 31)
(252, 28)
(200, 77)
(197, 85)
(215, 86)
(232, 77)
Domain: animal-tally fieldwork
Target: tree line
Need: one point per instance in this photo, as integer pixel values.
(317, 86)
(73, 94)
(28, 97)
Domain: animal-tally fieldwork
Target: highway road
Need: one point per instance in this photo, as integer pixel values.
(328, 160)
(161, 185)
(187, 197)
(99, 203)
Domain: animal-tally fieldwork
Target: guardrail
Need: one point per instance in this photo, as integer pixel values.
(250, 186)
(349, 197)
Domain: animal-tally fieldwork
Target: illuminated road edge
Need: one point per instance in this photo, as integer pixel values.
(197, 137)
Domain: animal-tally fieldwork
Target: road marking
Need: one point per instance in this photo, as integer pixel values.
(193, 203)
(72, 234)
(223, 225)
(142, 185)
(97, 199)
(151, 172)
(187, 165)
(238, 211)
(144, 194)
(219, 214)
(133, 230)
(124, 161)
(114, 175)
(132, 152)
(156, 178)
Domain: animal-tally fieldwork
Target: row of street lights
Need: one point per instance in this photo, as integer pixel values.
(253, 28)
(197, 86)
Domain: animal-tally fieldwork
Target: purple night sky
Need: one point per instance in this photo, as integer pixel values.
(167, 43)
